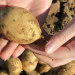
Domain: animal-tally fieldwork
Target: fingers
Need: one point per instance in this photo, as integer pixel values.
(36, 48)
(62, 52)
(2, 4)
(54, 62)
(61, 37)
(8, 51)
(3, 43)
(18, 51)
(9, 48)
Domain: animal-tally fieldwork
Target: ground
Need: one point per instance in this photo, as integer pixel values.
(60, 14)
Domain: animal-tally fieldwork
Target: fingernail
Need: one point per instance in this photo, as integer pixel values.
(50, 48)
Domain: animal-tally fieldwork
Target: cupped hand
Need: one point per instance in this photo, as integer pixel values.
(39, 8)
(60, 48)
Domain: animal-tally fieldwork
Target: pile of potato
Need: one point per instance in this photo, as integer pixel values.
(27, 62)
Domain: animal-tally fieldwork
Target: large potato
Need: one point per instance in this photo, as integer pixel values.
(19, 25)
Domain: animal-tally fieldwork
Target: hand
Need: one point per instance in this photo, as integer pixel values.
(40, 10)
(60, 49)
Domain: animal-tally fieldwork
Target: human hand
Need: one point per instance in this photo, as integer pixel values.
(40, 10)
(60, 49)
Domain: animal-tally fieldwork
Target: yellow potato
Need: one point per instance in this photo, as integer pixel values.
(19, 25)
(14, 66)
(44, 67)
(29, 61)
(3, 72)
(70, 66)
(64, 72)
(41, 62)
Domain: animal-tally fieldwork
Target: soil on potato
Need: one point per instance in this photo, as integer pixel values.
(60, 14)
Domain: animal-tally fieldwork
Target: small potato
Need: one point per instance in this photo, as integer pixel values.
(44, 67)
(29, 61)
(14, 66)
(64, 72)
(41, 62)
(19, 25)
(3, 72)
(70, 66)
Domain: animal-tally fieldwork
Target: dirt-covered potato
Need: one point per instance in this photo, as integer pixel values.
(3, 72)
(67, 69)
(44, 67)
(14, 66)
(19, 25)
(64, 72)
(29, 61)
(70, 67)
(41, 62)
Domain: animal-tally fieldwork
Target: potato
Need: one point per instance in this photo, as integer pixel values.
(3, 72)
(64, 72)
(67, 69)
(41, 62)
(19, 25)
(29, 61)
(44, 68)
(70, 66)
(14, 66)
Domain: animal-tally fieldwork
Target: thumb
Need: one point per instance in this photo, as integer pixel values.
(61, 37)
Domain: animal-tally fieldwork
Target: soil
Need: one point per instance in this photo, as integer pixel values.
(60, 14)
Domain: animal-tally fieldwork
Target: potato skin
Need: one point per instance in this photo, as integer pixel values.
(29, 61)
(3, 72)
(44, 67)
(70, 67)
(19, 25)
(14, 66)
(64, 72)
(41, 62)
